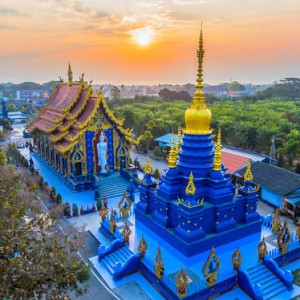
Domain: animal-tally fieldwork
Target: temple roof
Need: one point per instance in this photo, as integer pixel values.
(68, 111)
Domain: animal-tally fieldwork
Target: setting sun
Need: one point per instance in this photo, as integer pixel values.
(143, 36)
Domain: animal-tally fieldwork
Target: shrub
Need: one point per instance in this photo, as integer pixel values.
(58, 198)
(35, 187)
(75, 210)
(67, 209)
(156, 174)
(157, 152)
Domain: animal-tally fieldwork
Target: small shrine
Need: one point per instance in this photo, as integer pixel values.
(78, 137)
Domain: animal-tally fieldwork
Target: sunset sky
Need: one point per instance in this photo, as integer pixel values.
(149, 41)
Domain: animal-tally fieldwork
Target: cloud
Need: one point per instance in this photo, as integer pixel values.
(7, 26)
(4, 10)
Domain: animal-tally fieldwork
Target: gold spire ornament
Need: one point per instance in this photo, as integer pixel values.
(218, 153)
(148, 168)
(248, 174)
(181, 283)
(172, 154)
(198, 116)
(178, 140)
(70, 74)
(190, 188)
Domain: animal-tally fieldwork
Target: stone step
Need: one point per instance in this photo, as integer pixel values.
(273, 294)
(274, 286)
(255, 268)
(256, 278)
(107, 265)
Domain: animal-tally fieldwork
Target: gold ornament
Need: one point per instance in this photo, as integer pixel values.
(125, 205)
(284, 238)
(126, 233)
(276, 222)
(248, 174)
(236, 260)
(142, 247)
(181, 283)
(218, 153)
(190, 188)
(262, 249)
(158, 264)
(148, 168)
(172, 154)
(211, 268)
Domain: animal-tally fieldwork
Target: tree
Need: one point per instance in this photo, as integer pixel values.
(297, 168)
(3, 159)
(236, 86)
(156, 174)
(33, 262)
(157, 152)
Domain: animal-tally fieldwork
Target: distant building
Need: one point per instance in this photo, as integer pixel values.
(216, 90)
(277, 185)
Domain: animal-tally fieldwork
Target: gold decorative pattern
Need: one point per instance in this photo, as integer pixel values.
(262, 249)
(126, 233)
(248, 174)
(211, 268)
(142, 247)
(284, 238)
(148, 168)
(112, 222)
(236, 260)
(181, 283)
(276, 222)
(190, 188)
(178, 141)
(103, 213)
(158, 264)
(125, 205)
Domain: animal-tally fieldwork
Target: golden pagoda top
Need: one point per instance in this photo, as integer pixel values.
(172, 154)
(148, 168)
(190, 188)
(218, 153)
(248, 174)
(198, 116)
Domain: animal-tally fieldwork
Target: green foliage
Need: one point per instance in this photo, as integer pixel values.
(3, 158)
(5, 123)
(2, 135)
(35, 187)
(235, 86)
(34, 262)
(157, 152)
(168, 95)
(58, 199)
(156, 174)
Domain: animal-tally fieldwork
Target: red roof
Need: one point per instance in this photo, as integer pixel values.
(233, 161)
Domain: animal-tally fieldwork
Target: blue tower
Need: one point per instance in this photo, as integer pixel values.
(194, 206)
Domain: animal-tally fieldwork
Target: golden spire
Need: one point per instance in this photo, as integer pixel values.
(178, 140)
(172, 154)
(190, 188)
(70, 74)
(198, 116)
(148, 168)
(218, 153)
(248, 174)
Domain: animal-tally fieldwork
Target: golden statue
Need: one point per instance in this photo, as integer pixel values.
(142, 247)
(158, 264)
(284, 238)
(125, 205)
(211, 268)
(298, 233)
(178, 141)
(103, 213)
(236, 260)
(181, 283)
(262, 249)
(276, 222)
(126, 233)
(198, 116)
(112, 222)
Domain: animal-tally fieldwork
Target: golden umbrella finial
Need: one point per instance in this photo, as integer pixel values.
(218, 153)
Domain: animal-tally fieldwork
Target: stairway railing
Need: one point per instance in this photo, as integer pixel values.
(253, 290)
(115, 245)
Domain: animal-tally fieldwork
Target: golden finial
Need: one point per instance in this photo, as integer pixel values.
(148, 168)
(70, 74)
(190, 188)
(248, 174)
(198, 116)
(178, 140)
(199, 100)
(172, 154)
(218, 153)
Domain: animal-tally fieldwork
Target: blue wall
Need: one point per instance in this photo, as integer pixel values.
(270, 197)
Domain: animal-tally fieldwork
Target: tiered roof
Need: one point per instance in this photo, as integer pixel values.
(68, 111)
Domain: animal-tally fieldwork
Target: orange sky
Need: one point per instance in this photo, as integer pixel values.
(250, 41)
